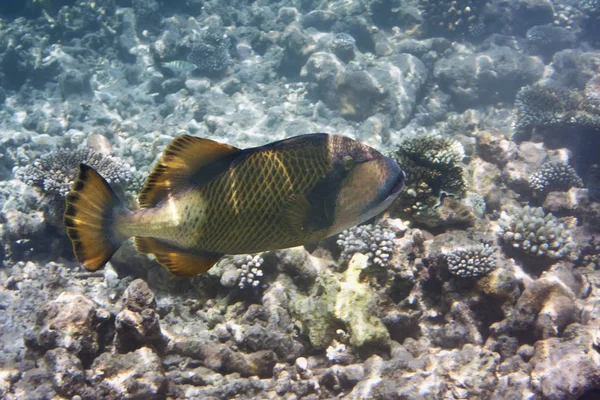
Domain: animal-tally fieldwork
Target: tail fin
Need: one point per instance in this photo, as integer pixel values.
(90, 214)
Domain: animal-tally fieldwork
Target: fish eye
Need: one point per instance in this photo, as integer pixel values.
(348, 162)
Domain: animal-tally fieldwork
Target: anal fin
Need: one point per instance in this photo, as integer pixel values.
(177, 261)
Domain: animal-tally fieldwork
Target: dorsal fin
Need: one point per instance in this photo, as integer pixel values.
(182, 158)
(178, 261)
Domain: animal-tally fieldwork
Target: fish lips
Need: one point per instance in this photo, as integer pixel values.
(396, 181)
(392, 187)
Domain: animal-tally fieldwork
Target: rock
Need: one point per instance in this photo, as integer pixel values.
(575, 200)
(529, 156)
(138, 296)
(477, 79)
(222, 358)
(389, 87)
(314, 311)
(68, 377)
(298, 47)
(546, 307)
(35, 383)
(135, 375)
(320, 19)
(566, 368)
(73, 322)
(495, 149)
(137, 324)
(74, 83)
(355, 305)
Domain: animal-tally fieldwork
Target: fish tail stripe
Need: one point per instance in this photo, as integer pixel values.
(91, 208)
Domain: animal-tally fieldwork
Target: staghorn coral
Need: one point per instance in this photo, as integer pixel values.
(211, 54)
(375, 241)
(56, 171)
(535, 233)
(554, 176)
(471, 262)
(434, 173)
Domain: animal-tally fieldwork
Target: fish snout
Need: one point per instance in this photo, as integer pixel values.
(396, 180)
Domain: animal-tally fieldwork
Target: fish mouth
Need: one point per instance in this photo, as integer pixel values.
(394, 187)
(398, 184)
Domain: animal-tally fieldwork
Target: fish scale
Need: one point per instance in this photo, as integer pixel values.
(259, 225)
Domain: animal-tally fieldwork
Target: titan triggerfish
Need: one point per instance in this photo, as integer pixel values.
(205, 199)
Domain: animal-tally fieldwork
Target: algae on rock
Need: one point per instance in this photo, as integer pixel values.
(355, 305)
(315, 310)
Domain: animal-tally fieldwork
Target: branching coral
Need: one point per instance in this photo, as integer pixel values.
(535, 233)
(211, 54)
(543, 107)
(56, 171)
(451, 18)
(375, 241)
(554, 176)
(433, 170)
(250, 270)
(342, 45)
(471, 262)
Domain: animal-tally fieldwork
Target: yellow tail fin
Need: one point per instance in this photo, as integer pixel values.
(90, 214)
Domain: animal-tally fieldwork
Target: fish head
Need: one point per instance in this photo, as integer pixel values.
(369, 182)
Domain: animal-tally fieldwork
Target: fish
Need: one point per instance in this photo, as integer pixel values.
(180, 66)
(206, 199)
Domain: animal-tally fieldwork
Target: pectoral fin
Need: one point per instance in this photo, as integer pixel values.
(296, 213)
(177, 261)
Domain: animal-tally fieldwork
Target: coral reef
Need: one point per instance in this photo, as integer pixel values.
(451, 19)
(250, 271)
(533, 232)
(375, 241)
(211, 54)
(471, 262)
(488, 105)
(55, 172)
(434, 173)
(343, 46)
(548, 108)
(554, 176)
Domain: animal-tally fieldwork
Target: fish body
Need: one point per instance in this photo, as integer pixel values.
(180, 66)
(205, 199)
